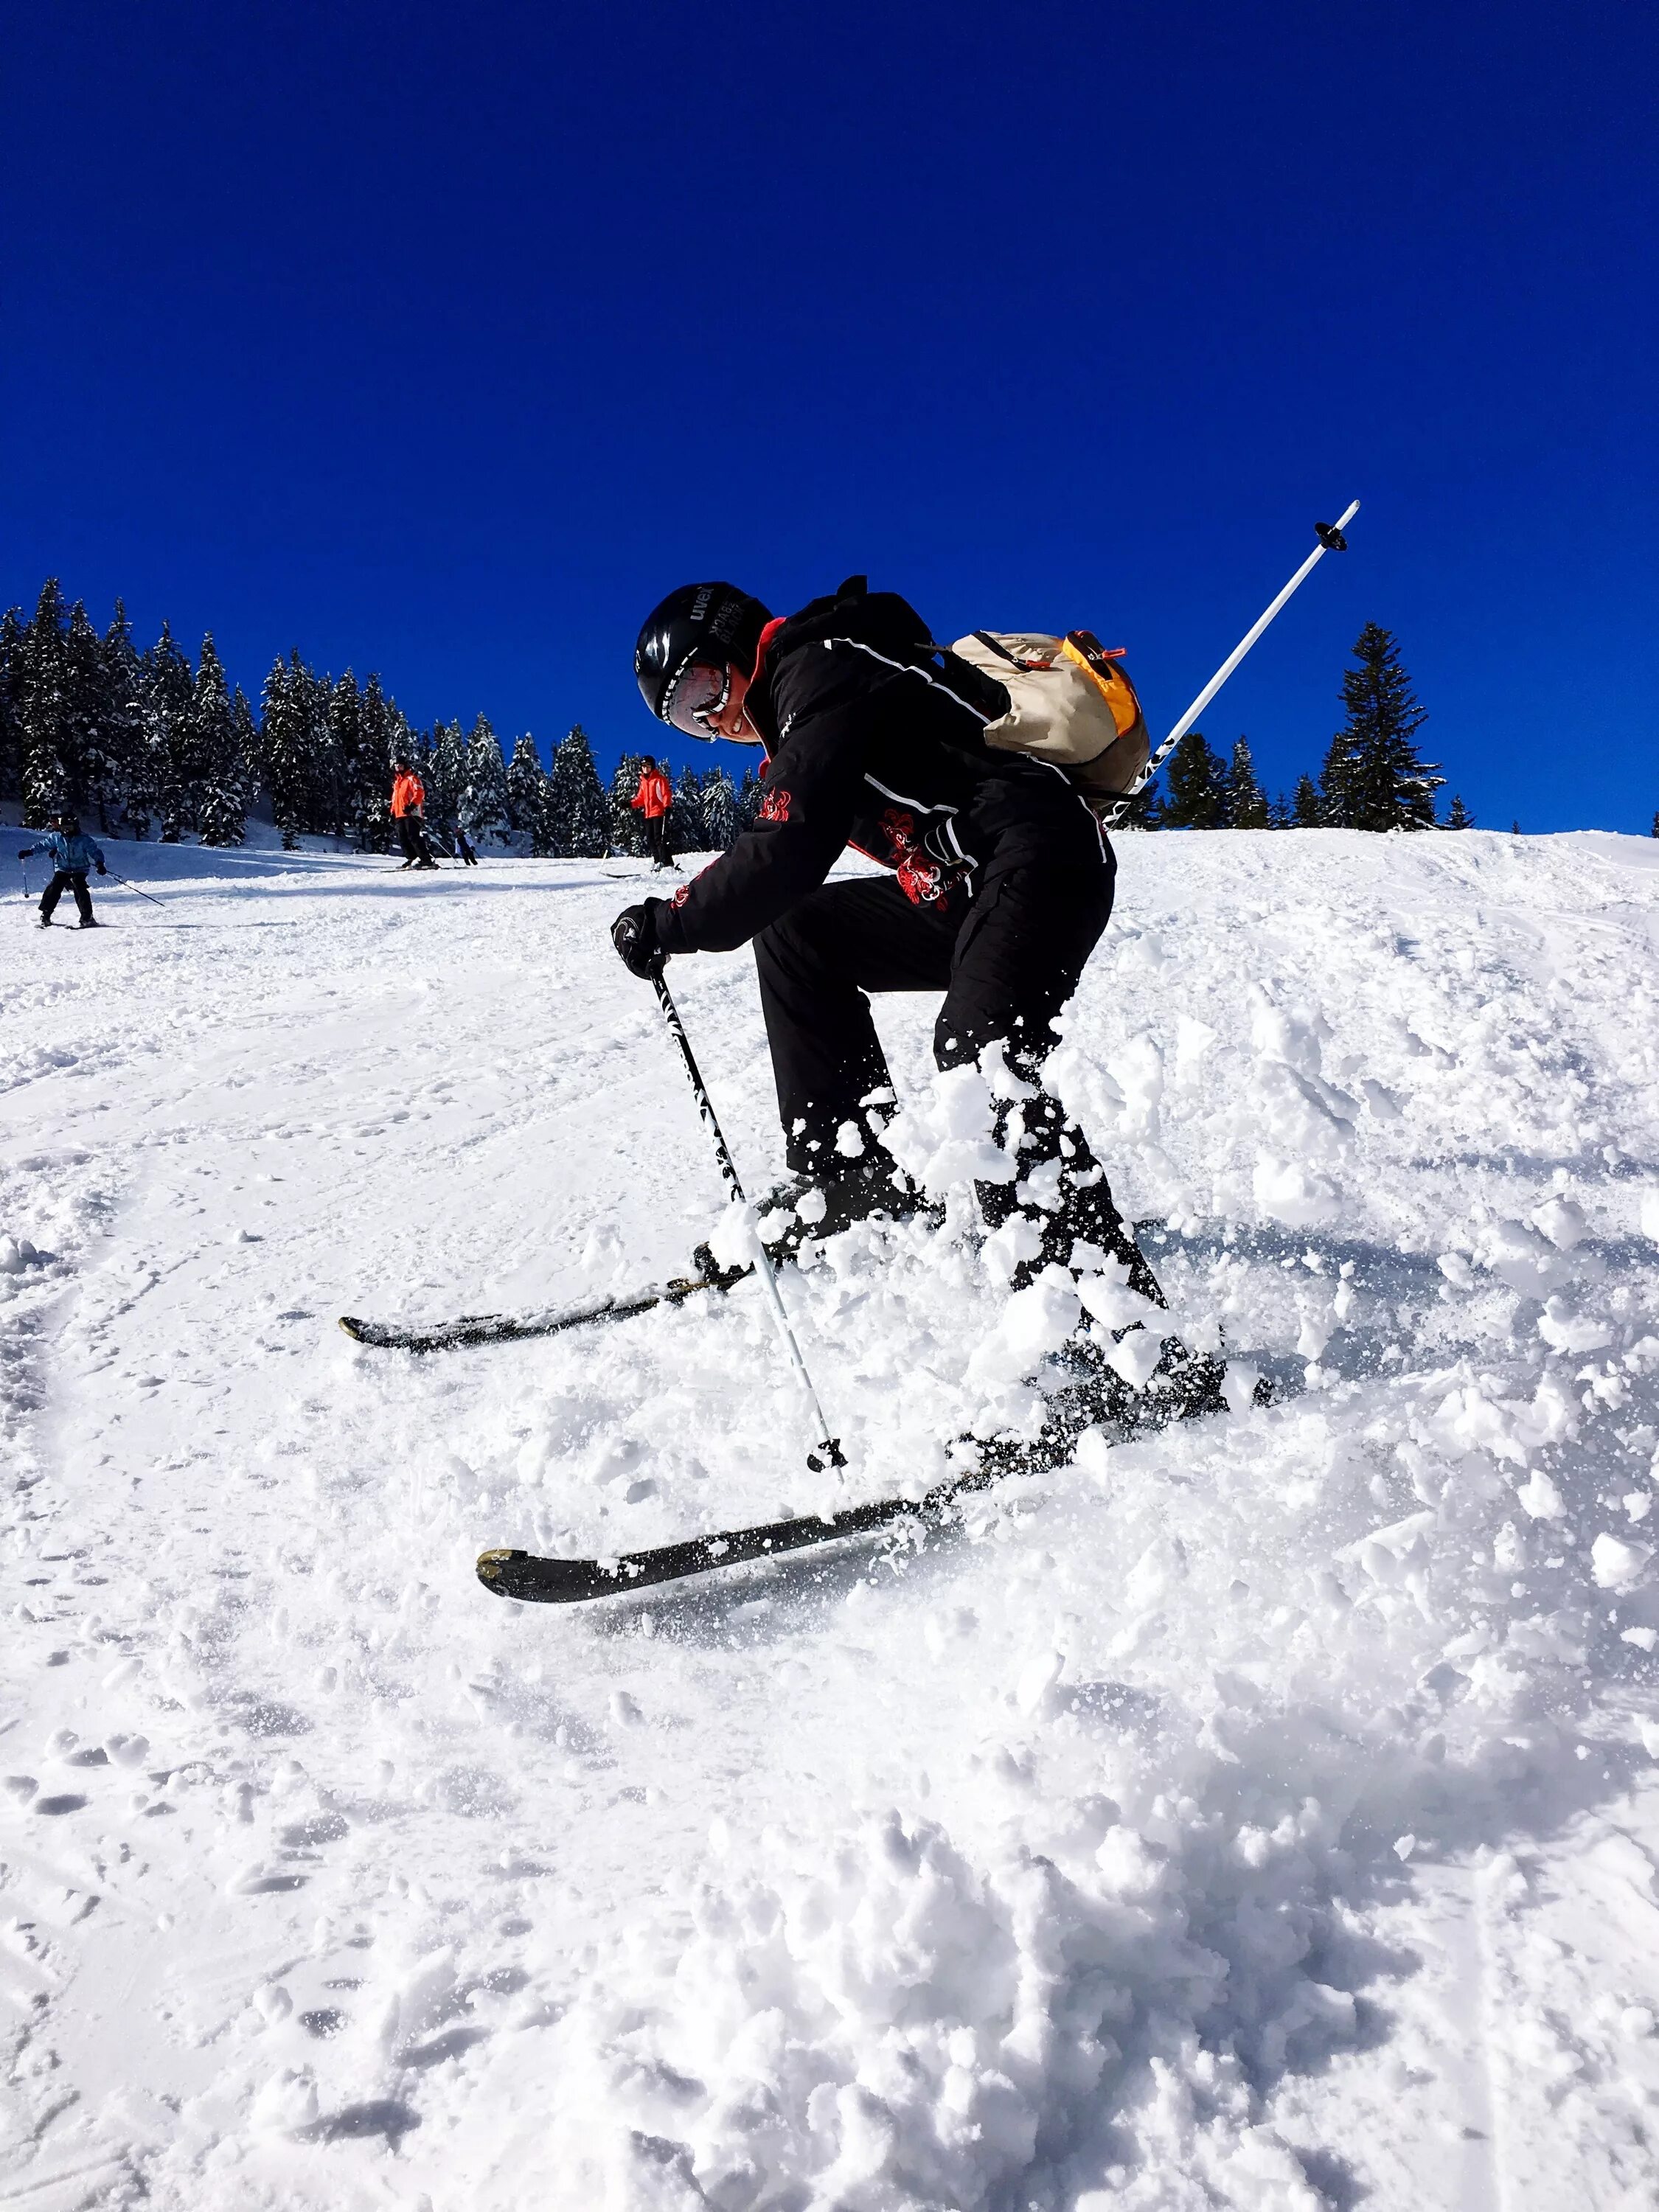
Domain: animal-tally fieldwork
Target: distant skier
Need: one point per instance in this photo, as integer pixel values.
(654, 799)
(464, 851)
(408, 811)
(1001, 885)
(71, 853)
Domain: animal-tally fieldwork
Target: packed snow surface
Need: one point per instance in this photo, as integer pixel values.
(1259, 1815)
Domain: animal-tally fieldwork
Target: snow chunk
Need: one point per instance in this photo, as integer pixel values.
(1617, 1564)
(1037, 1678)
(943, 1139)
(1565, 1331)
(1017, 1240)
(1519, 1257)
(1109, 1299)
(1288, 1191)
(1238, 1385)
(736, 1235)
(1562, 1221)
(1036, 1321)
(1539, 1498)
(1134, 1356)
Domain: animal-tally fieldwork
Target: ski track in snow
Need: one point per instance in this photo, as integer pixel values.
(1259, 1815)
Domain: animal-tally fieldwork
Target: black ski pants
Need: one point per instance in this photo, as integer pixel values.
(67, 879)
(411, 836)
(1007, 961)
(656, 840)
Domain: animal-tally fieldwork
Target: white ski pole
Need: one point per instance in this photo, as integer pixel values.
(1331, 540)
(828, 1447)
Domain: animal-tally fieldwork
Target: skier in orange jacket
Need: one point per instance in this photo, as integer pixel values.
(408, 811)
(653, 799)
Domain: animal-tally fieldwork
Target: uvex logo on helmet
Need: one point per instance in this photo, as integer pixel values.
(707, 625)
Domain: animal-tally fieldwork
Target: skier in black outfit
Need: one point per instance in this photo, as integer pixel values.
(1001, 885)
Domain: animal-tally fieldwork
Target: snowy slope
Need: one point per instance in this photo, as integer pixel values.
(1263, 1815)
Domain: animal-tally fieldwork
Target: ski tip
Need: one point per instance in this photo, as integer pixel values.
(352, 1327)
(536, 1581)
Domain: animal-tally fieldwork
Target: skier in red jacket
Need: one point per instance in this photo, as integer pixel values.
(408, 811)
(653, 799)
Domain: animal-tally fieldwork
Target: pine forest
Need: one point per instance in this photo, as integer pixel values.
(140, 744)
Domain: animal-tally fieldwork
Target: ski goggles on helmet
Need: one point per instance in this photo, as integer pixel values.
(696, 695)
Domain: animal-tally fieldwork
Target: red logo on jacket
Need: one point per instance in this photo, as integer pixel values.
(774, 805)
(921, 880)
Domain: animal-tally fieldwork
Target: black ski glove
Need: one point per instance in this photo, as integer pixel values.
(102, 869)
(633, 933)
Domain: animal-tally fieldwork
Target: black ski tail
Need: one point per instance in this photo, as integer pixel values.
(472, 1329)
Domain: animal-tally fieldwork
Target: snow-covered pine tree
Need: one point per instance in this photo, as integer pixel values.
(483, 803)
(527, 791)
(11, 727)
(1374, 777)
(1335, 803)
(245, 727)
(719, 811)
(133, 801)
(42, 706)
(377, 744)
(324, 796)
(627, 828)
(169, 692)
(1280, 816)
(1146, 809)
(88, 761)
(343, 710)
(221, 806)
(749, 799)
(1458, 816)
(579, 814)
(1198, 786)
(545, 842)
(1307, 807)
(1247, 802)
(445, 780)
(687, 831)
(283, 767)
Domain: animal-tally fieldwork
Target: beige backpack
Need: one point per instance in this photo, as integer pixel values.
(1069, 702)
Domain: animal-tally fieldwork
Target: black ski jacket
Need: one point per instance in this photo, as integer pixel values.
(870, 743)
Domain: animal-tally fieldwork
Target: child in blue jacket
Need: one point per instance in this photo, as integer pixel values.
(72, 852)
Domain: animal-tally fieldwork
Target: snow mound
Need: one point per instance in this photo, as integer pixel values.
(1259, 1815)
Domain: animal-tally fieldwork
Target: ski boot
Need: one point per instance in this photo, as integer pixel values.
(805, 1209)
(1137, 1391)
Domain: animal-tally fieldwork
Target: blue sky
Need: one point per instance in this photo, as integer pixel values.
(445, 341)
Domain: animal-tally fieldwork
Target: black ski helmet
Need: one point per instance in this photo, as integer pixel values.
(715, 625)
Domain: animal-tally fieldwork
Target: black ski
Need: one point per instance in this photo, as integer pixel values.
(570, 1581)
(1097, 1398)
(512, 1329)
